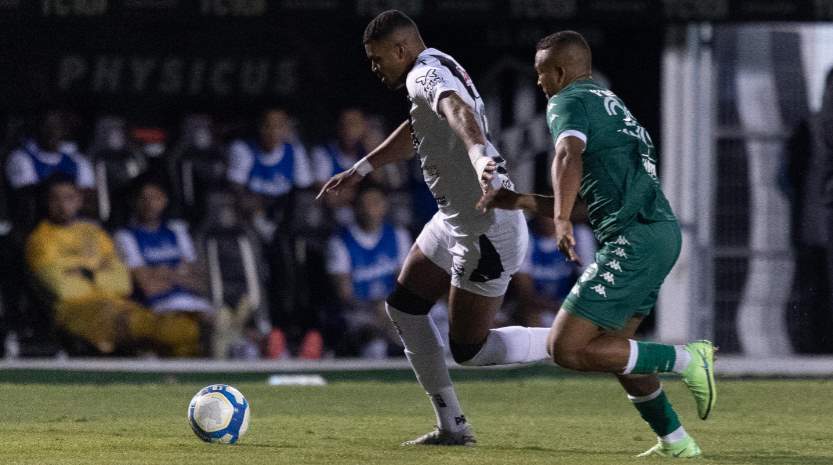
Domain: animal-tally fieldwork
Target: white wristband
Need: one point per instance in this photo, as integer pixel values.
(476, 152)
(363, 167)
(477, 155)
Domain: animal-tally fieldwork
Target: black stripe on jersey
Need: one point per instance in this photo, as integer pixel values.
(452, 66)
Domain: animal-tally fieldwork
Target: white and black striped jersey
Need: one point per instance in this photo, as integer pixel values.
(445, 162)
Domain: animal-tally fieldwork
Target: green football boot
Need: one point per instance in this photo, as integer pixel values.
(684, 449)
(699, 376)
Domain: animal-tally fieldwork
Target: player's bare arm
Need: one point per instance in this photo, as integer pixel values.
(566, 178)
(507, 199)
(463, 121)
(396, 147)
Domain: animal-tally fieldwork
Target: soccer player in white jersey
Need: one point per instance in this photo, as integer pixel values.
(478, 252)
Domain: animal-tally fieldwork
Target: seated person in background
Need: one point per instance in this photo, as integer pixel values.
(160, 253)
(338, 155)
(343, 152)
(264, 171)
(76, 262)
(363, 261)
(38, 158)
(545, 277)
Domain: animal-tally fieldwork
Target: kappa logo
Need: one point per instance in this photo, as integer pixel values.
(621, 241)
(600, 290)
(620, 252)
(458, 269)
(608, 276)
(614, 265)
(429, 83)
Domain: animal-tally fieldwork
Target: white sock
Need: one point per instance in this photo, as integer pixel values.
(682, 360)
(512, 344)
(424, 349)
(632, 356)
(675, 436)
(651, 396)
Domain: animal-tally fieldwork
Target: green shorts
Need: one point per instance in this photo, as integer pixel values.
(624, 282)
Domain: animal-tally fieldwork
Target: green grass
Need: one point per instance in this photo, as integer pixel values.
(574, 420)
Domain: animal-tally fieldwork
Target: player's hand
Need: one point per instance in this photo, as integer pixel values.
(489, 172)
(343, 180)
(504, 199)
(566, 241)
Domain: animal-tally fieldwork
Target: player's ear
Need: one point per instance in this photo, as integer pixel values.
(399, 49)
(561, 75)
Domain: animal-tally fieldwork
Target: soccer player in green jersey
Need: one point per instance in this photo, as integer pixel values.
(606, 157)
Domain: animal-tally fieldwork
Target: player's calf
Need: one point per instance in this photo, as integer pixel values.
(503, 346)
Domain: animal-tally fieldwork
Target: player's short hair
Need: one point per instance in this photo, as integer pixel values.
(561, 39)
(385, 23)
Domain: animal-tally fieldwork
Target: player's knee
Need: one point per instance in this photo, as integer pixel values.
(567, 356)
(464, 354)
(407, 301)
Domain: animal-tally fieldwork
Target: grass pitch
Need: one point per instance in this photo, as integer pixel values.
(574, 420)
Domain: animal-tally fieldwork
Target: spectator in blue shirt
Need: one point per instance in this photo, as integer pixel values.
(363, 260)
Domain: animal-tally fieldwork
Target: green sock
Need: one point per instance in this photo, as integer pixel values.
(653, 358)
(658, 413)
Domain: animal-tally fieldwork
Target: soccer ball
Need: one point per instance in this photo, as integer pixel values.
(219, 413)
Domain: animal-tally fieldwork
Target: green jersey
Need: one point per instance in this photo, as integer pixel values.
(619, 179)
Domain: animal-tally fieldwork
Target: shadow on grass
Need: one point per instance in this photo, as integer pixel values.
(782, 458)
(550, 450)
(246, 445)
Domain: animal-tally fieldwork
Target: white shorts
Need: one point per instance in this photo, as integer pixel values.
(481, 264)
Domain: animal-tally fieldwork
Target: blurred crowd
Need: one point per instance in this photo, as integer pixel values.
(208, 241)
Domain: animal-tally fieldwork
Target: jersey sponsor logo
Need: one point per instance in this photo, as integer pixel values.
(614, 107)
(429, 83)
(381, 268)
(600, 290)
(161, 253)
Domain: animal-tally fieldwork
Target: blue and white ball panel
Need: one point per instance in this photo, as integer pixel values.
(219, 413)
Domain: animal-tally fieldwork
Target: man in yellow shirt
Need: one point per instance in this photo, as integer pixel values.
(76, 262)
